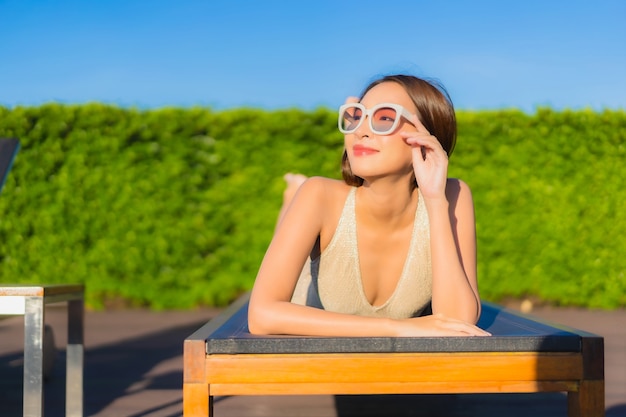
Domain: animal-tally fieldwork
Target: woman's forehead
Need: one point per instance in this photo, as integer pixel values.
(388, 92)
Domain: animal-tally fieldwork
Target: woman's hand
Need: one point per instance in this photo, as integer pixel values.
(437, 325)
(430, 161)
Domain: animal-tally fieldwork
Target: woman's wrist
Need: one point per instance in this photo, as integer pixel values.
(391, 327)
(437, 205)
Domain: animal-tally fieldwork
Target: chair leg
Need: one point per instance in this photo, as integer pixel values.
(196, 400)
(33, 356)
(75, 355)
(588, 401)
(49, 352)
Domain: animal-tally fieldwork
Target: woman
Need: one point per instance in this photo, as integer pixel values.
(391, 243)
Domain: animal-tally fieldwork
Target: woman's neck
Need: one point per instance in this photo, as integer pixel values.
(384, 201)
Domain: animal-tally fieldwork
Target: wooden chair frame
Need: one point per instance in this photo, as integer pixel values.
(524, 355)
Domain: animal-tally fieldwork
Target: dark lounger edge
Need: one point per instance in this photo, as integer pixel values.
(512, 332)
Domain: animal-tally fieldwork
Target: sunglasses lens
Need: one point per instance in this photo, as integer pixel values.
(384, 120)
(350, 118)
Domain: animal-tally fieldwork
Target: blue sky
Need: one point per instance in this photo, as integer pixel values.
(308, 53)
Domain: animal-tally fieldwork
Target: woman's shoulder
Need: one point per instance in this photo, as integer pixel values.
(457, 186)
(325, 196)
(327, 188)
(459, 194)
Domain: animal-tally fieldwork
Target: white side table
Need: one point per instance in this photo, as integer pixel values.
(30, 301)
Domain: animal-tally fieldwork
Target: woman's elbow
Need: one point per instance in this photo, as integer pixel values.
(470, 313)
(257, 324)
(467, 312)
(479, 307)
(256, 328)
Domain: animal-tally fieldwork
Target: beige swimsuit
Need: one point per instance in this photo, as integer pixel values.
(332, 281)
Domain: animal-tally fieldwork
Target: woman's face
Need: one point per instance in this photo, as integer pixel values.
(373, 155)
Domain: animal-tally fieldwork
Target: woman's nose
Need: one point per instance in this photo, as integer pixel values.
(364, 128)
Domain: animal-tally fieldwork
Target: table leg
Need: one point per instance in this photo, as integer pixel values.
(75, 358)
(33, 356)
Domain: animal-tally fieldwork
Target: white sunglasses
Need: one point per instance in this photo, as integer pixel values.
(383, 118)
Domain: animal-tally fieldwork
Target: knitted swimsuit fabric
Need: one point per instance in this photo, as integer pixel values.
(333, 282)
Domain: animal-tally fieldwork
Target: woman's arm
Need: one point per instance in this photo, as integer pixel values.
(453, 252)
(452, 229)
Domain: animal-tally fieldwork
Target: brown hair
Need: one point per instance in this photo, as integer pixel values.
(434, 110)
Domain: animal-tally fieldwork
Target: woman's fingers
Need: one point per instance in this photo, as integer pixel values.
(459, 326)
(425, 146)
(440, 325)
(418, 125)
(422, 139)
(470, 330)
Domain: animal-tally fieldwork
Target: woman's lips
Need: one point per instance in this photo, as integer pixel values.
(360, 150)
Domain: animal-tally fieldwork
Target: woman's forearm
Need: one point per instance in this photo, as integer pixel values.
(453, 294)
(282, 317)
(287, 318)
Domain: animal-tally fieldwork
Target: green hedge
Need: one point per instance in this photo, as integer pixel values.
(550, 200)
(173, 208)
